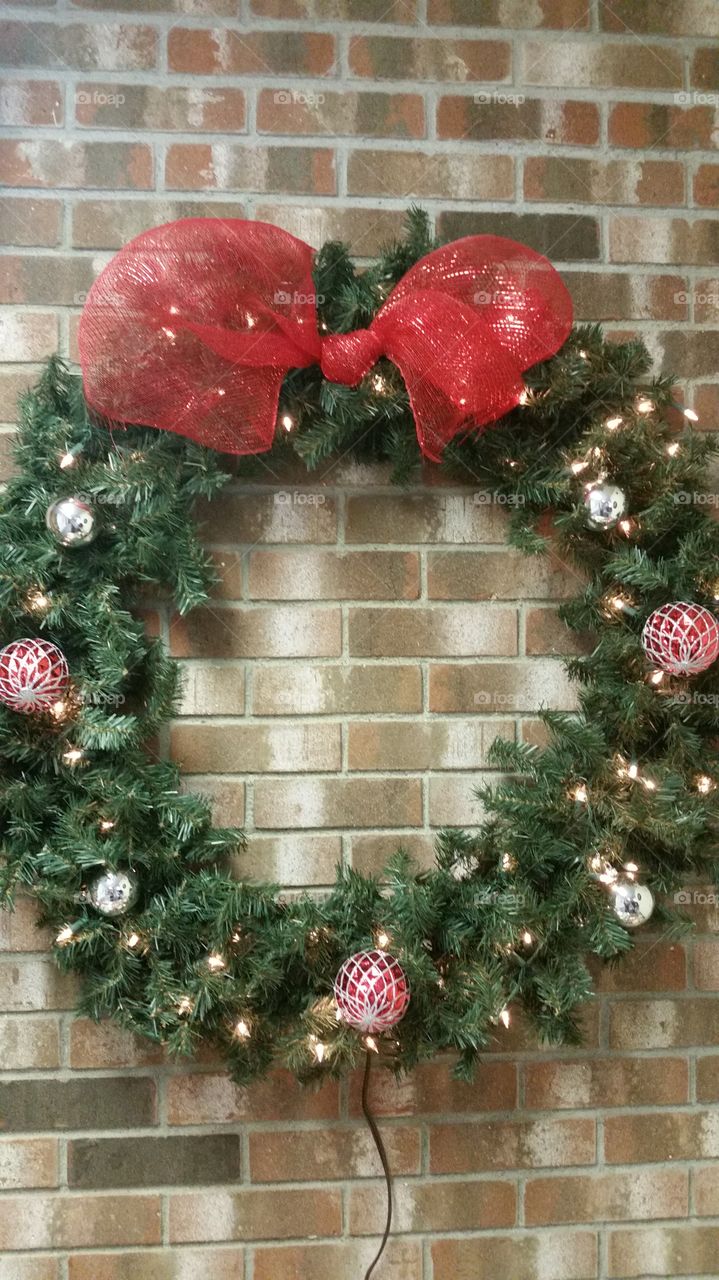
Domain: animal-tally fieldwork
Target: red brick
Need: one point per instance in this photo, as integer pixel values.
(431, 1090)
(214, 1099)
(289, 859)
(663, 1024)
(19, 928)
(699, 17)
(436, 1206)
(227, 52)
(30, 1162)
(105, 1045)
(623, 295)
(661, 1136)
(291, 631)
(30, 985)
(443, 744)
(254, 1215)
(169, 1264)
(429, 174)
(650, 966)
(499, 575)
(503, 688)
(363, 230)
(706, 185)
(370, 115)
(41, 278)
(333, 575)
(294, 1155)
(45, 1222)
(392, 58)
(402, 1260)
(454, 518)
(453, 630)
(41, 163)
(572, 64)
(291, 689)
(337, 802)
(570, 14)
(108, 224)
(635, 239)
(27, 336)
(118, 105)
(256, 748)
(606, 1082)
(339, 10)
(522, 1144)
(708, 1078)
(663, 1251)
(660, 125)
(497, 116)
(28, 1043)
(78, 47)
(30, 102)
(706, 1192)
(613, 1197)
(225, 166)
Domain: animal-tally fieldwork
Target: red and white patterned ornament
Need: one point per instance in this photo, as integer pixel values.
(681, 638)
(34, 675)
(372, 991)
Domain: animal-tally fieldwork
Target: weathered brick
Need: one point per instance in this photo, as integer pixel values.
(214, 1099)
(28, 1163)
(284, 516)
(689, 355)
(27, 336)
(551, 1255)
(658, 1136)
(650, 966)
(370, 115)
(499, 575)
(698, 16)
(402, 1260)
(289, 859)
(111, 1102)
(573, 64)
(456, 631)
(339, 10)
(284, 1155)
(546, 633)
(27, 221)
(606, 1082)
(229, 166)
(646, 182)
(29, 1268)
(334, 690)
(560, 236)
(615, 295)
(704, 67)
(169, 1264)
(99, 1163)
(254, 1215)
(708, 1078)
(27, 1043)
(51, 163)
(108, 224)
(225, 795)
(503, 115)
(371, 853)
(333, 575)
(45, 1222)
(663, 1251)
(44, 279)
(256, 748)
(572, 14)
(291, 631)
(663, 1024)
(106, 1045)
(224, 51)
(30, 102)
(410, 518)
(78, 47)
(431, 1090)
(338, 802)
(436, 1206)
(429, 174)
(19, 929)
(706, 185)
(13, 384)
(393, 58)
(453, 802)
(34, 984)
(514, 1144)
(363, 230)
(444, 744)
(500, 687)
(612, 1197)
(118, 105)
(212, 691)
(706, 1192)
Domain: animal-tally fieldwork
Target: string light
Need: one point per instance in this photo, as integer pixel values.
(524, 397)
(628, 527)
(174, 311)
(59, 710)
(504, 1018)
(656, 677)
(65, 935)
(185, 1005)
(287, 421)
(216, 963)
(584, 355)
(371, 1044)
(602, 868)
(509, 863)
(705, 784)
(382, 939)
(578, 465)
(73, 755)
(613, 423)
(631, 869)
(132, 941)
(379, 384)
(169, 333)
(242, 1030)
(580, 793)
(36, 601)
(645, 405)
(527, 938)
(67, 460)
(691, 415)
(319, 1048)
(106, 824)
(673, 449)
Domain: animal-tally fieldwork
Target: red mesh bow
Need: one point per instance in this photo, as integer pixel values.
(193, 326)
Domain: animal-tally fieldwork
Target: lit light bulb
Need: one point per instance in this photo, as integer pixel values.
(527, 938)
(504, 1018)
(73, 755)
(612, 423)
(584, 354)
(633, 770)
(524, 397)
(174, 311)
(379, 384)
(509, 863)
(64, 936)
(382, 939)
(169, 333)
(673, 449)
(580, 793)
(691, 415)
(577, 466)
(36, 601)
(58, 710)
(242, 1031)
(106, 824)
(251, 322)
(184, 1005)
(132, 941)
(319, 1048)
(648, 783)
(287, 422)
(216, 963)
(371, 1043)
(67, 460)
(656, 677)
(705, 784)
(645, 405)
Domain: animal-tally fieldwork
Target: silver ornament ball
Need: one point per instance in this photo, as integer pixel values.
(113, 893)
(633, 903)
(71, 522)
(604, 504)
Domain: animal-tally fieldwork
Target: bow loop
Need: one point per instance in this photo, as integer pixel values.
(193, 326)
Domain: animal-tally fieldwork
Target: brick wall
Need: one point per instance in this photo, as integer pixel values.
(365, 645)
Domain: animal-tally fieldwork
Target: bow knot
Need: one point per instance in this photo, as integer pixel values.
(194, 325)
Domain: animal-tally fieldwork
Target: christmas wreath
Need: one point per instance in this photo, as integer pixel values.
(235, 334)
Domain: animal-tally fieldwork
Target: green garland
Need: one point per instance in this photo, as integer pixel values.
(510, 913)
